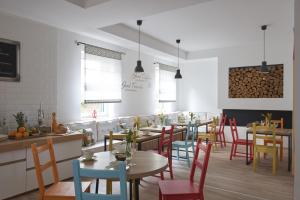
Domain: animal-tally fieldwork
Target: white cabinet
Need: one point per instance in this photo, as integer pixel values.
(12, 173)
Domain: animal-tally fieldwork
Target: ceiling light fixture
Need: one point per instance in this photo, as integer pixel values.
(178, 75)
(264, 67)
(139, 67)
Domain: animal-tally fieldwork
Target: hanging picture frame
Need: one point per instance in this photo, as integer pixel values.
(9, 60)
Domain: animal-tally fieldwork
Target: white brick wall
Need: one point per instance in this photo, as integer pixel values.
(38, 64)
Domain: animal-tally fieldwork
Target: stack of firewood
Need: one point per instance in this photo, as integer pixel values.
(249, 82)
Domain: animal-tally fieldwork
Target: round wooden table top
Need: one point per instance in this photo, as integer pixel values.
(142, 164)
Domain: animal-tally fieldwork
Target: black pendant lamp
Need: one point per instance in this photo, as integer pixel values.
(139, 67)
(178, 75)
(264, 67)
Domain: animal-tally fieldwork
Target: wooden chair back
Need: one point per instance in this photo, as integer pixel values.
(206, 149)
(164, 141)
(39, 168)
(212, 131)
(271, 137)
(119, 174)
(119, 136)
(190, 133)
(278, 123)
(233, 128)
(222, 123)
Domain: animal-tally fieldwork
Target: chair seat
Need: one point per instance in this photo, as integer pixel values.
(177, 187)
(63, 190)
(278, 141)
(181, 144)
(265, 149)
(243, 141)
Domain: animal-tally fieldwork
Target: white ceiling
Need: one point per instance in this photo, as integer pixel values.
(219, 23)
(201, 24)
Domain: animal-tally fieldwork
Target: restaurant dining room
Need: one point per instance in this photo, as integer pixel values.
(149, 99)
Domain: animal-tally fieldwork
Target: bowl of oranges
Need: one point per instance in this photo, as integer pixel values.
(18, 134)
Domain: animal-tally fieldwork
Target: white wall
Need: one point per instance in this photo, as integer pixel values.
(198, 90)
(50, 73)
(297, 101)
(38, 69)
(279, 50)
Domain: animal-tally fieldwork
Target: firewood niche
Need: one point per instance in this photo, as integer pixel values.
(249, 82)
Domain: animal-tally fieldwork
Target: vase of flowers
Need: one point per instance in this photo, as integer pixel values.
(137, 123)
(268, 118)
(129, 138)
(192, 116)
(162, 118)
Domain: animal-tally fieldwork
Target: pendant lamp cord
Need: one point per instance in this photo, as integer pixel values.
(264, 45)
(139, 42)
(178, 55)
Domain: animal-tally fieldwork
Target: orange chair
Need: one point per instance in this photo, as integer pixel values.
(58, 190)
(278, 140)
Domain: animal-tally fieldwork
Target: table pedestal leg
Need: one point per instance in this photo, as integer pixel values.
(289, 153)
(247, 145)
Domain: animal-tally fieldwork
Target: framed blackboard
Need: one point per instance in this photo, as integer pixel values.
(9, 60)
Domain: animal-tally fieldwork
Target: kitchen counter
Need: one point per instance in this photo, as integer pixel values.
(17, 166)
(12, 144)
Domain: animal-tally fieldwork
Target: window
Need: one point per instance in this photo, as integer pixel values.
(167, 83)
(101, 77)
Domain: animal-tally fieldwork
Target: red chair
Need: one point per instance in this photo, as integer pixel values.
(220, 131)
(236, 141)
(187, 189)
(165, 143)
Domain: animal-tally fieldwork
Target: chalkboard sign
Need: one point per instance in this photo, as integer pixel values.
(9, 60)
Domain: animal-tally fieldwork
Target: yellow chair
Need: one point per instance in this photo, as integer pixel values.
(210, 136)
(117, 136)
(259, 148)
(277, 123)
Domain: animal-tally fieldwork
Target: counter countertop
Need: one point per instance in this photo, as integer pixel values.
(11, 144)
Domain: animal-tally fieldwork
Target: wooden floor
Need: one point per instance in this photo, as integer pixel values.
(226, 180)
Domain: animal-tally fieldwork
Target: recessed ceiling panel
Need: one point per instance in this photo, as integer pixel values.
(87, 3)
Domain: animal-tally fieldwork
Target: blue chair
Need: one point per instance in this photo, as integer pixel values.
(100, 174)
(186, 144)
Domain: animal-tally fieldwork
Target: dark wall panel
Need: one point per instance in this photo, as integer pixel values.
(244, 117)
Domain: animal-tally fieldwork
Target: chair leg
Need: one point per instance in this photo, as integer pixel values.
(170, 167)
(162, 176)
(235, 149)
(251, 152)
(220, 138)
(265, 155)
(187, 156)
(160, 195)
(274, 163)
(254, 161)
(202, 196)
(224, 139)
(231, 152)
(108, 187)
(281, 151)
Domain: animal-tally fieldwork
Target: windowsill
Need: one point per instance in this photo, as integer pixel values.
(98, 119)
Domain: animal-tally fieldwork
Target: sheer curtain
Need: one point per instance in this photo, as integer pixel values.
(167, 83)
(102, 76)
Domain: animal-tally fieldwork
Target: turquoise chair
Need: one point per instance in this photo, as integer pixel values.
(187, 143)
(100, 174)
